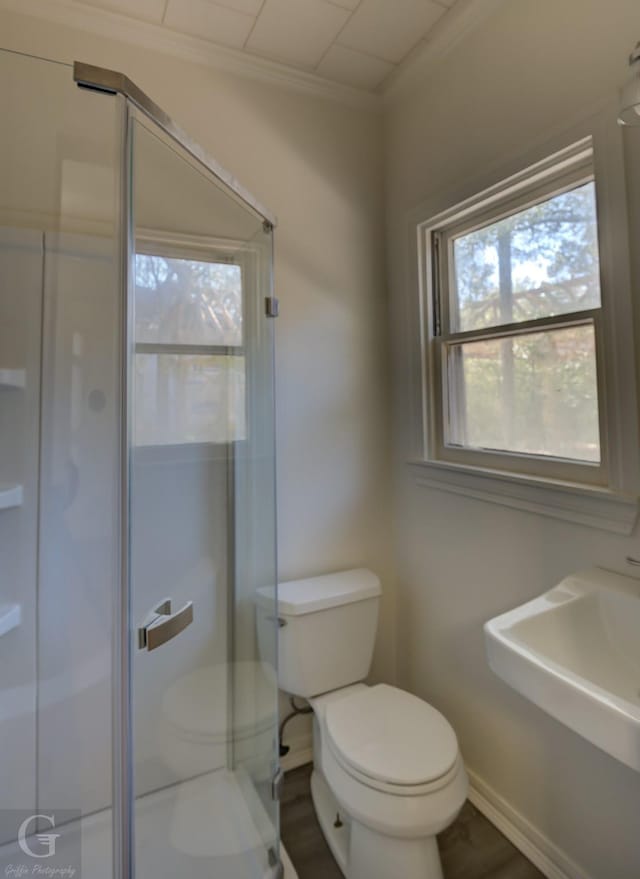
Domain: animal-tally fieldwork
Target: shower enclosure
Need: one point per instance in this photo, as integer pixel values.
(138, 716)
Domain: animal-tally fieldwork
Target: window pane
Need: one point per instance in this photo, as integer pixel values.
(535, 394)
(189, 399)
(536, 263)
(187, 301)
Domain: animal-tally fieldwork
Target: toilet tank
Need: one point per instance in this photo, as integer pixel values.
(327, 630)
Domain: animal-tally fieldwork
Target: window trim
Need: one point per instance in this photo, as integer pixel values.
(611, 506)
(573, 169)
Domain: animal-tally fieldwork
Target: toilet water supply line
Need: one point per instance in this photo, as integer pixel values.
(295, 711)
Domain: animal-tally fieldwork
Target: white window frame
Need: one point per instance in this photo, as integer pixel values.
(603, 495)
(570, 173)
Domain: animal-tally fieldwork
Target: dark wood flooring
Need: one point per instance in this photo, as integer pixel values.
(472, 848)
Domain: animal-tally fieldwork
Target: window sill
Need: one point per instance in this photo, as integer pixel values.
(594, 507)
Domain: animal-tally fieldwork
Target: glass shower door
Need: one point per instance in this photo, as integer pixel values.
(202, 522)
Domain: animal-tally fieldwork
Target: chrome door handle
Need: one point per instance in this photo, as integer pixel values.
(161, 625)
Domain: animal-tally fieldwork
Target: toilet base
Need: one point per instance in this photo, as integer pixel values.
(374, 856)
(327, 809)
(362, 853)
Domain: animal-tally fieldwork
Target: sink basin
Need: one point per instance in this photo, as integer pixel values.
(575, 653)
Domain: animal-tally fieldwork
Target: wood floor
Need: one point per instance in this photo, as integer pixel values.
(471, 848)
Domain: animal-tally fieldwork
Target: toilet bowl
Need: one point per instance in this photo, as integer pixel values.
(388, 775)
(391, 763)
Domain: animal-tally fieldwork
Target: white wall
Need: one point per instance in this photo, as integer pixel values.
(318, 166)
(533, 68)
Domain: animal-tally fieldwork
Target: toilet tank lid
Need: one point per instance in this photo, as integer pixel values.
(297, 597)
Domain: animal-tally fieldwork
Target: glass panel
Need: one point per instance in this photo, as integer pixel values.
(187, 301)
(189, 398)
(60, 427)
(535, 393)
(539, 262)
(203, 524)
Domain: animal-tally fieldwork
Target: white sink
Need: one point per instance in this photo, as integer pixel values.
(575, 652)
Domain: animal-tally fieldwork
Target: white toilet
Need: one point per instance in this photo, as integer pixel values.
(388, 775)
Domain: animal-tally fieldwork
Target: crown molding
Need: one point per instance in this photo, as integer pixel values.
(154, 37)
(450, 30)
(456, 24)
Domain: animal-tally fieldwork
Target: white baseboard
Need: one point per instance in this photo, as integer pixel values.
(542, 853)
(300, 752)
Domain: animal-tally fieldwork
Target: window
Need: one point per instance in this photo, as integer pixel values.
(515, 327)
(189, 355)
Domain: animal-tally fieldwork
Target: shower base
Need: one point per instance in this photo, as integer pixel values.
(212, 825)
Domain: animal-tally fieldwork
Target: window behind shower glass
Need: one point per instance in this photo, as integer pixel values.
(189, 352)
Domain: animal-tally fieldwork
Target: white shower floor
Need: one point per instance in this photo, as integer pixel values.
(202, 828)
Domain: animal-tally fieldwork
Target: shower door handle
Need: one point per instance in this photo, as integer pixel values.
(161, 625)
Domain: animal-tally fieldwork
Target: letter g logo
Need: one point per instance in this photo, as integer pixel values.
(47, 840)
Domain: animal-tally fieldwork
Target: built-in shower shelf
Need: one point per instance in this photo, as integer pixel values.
(10, 617)
(13, 378)
(10, 496)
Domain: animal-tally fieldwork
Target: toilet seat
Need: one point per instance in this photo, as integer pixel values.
(392, 741)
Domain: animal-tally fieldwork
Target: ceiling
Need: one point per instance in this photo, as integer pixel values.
(353, 42)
